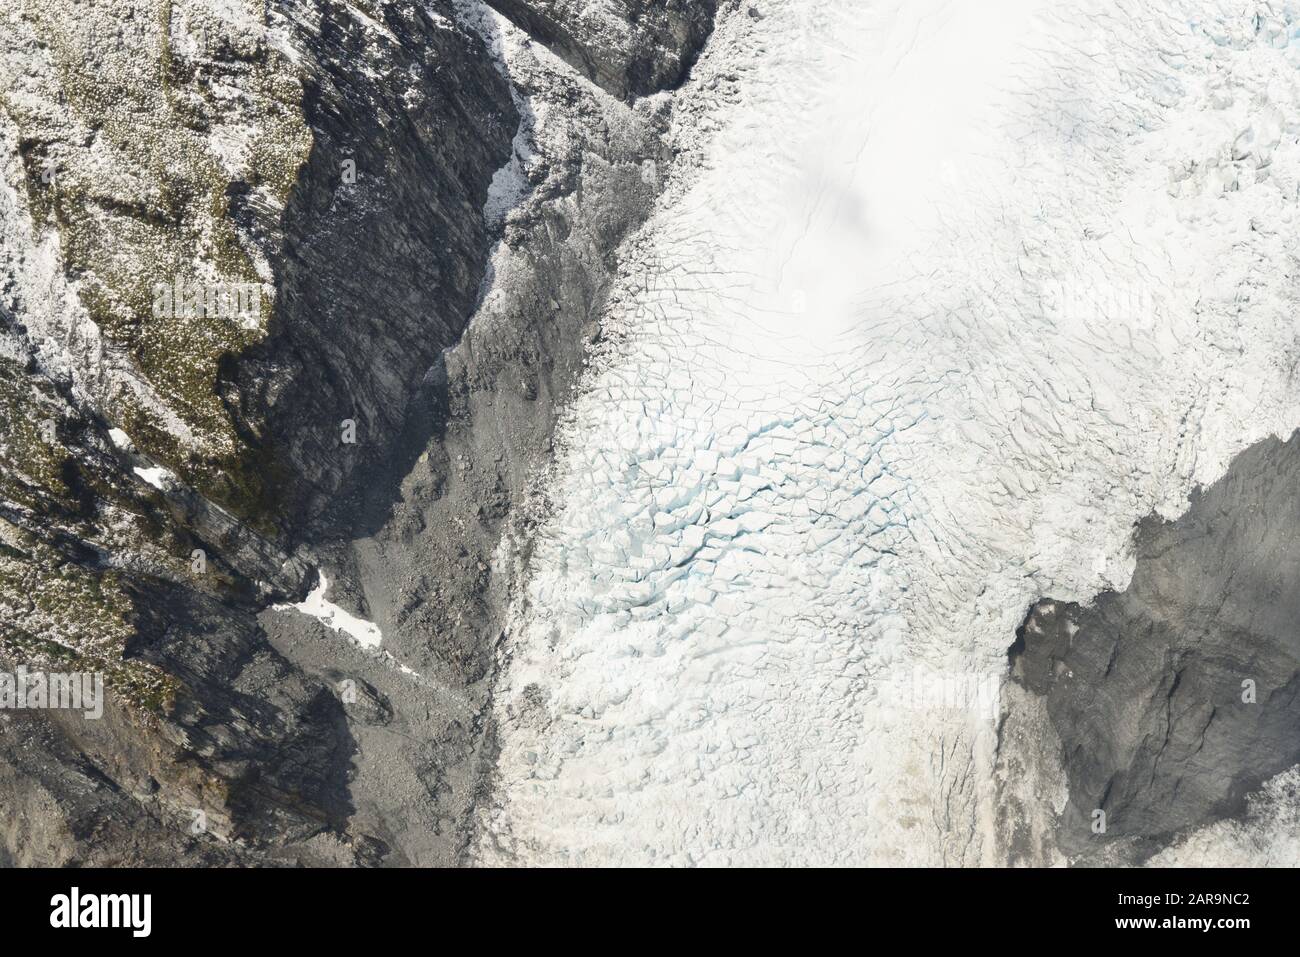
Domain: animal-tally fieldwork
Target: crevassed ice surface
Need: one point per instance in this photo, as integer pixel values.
(959, 291)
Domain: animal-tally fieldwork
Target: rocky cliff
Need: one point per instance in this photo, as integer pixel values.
(1176, 698)
(420, 206)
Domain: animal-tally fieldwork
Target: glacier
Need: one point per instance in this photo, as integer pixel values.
(941, 298)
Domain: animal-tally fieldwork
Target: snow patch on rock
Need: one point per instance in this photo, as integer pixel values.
(155, 475)
(364, 633)
(510, 185)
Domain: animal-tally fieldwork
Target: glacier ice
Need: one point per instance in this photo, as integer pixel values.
(945, 296)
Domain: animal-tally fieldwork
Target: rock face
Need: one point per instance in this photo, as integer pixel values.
(387, 177)
(1180, 695)
(630, 47)
(384, 240)
(423, 551)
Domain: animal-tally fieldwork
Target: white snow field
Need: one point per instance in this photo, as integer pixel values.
(947, 294)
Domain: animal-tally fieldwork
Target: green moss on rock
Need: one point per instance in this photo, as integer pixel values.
(142, 197)
(60, 615)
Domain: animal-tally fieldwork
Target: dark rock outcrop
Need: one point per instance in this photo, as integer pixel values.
(384, 241)
(645, 47)
(1178, 696)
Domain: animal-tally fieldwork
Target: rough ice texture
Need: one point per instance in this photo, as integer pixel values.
(957, 294)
